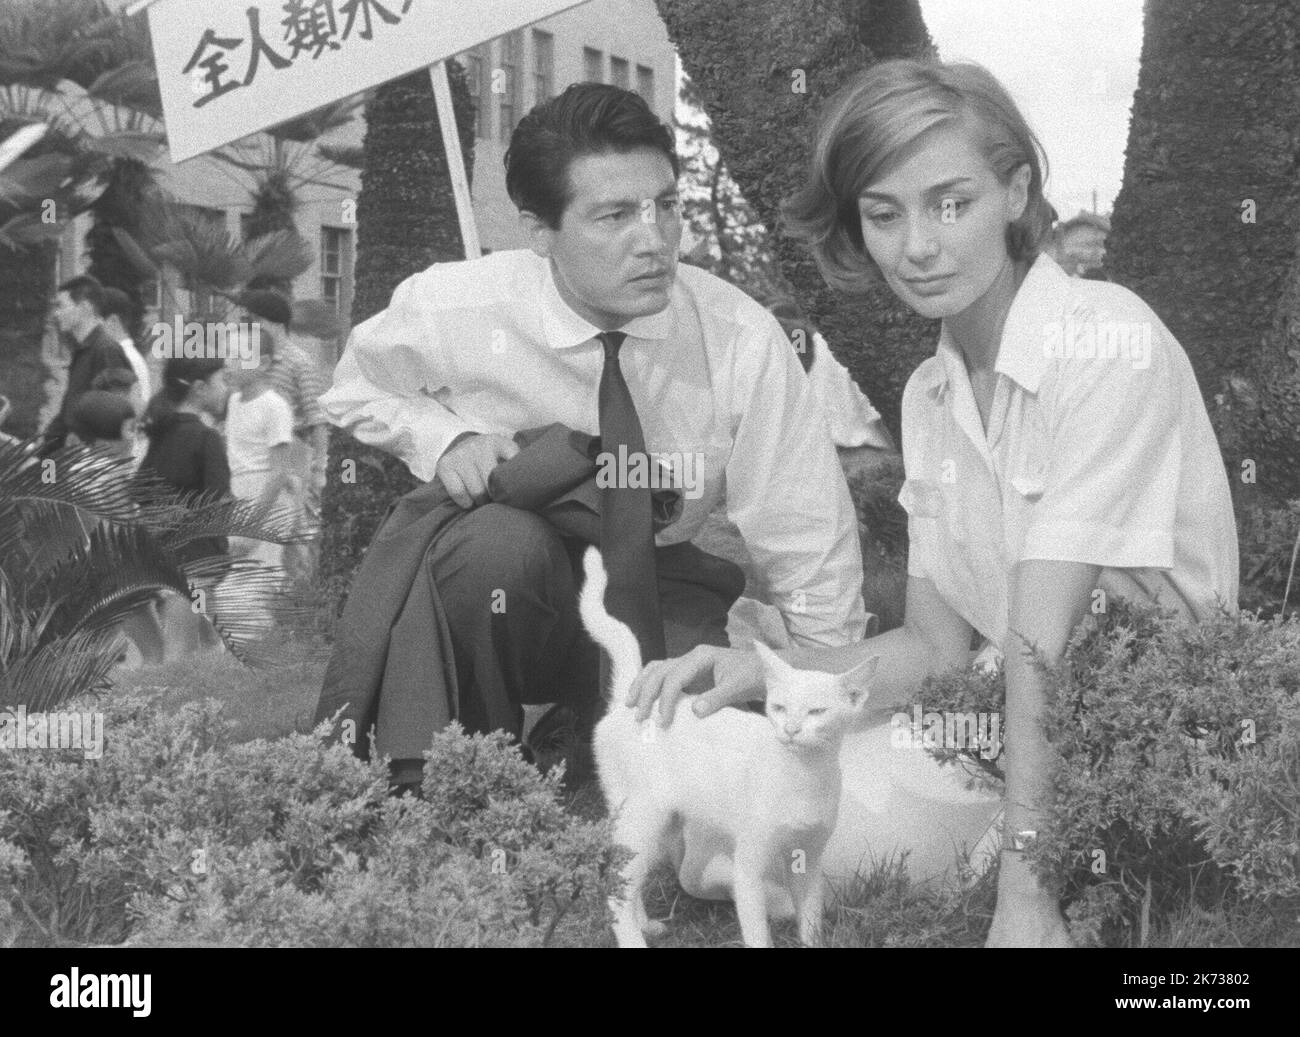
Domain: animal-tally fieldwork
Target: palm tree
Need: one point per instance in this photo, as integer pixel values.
(81, 546)
(58, 68)
(1206, 222)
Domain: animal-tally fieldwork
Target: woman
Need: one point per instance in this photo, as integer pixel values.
(1057, 449)
(185, 451)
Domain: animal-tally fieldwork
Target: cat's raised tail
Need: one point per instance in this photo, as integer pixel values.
(611, 634)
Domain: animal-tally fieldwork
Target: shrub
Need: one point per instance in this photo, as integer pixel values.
(1178, 772)
(177, 836)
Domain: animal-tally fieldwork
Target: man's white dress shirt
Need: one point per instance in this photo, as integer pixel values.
(1098, 450)
(489, 346)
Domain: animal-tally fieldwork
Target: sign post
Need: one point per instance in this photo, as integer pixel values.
(455, 159)
(227, 70)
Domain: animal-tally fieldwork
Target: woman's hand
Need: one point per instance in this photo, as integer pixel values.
(734, 675)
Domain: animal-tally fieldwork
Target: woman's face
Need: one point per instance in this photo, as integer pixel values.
(935, 224)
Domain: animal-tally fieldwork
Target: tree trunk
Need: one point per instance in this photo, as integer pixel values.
(1205, 225)
(763, 69)
(406, 220)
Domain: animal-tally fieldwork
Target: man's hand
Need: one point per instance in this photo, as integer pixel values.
(1026, 914)
(464, 469)
(736, 676)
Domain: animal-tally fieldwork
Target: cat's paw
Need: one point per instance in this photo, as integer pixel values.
(653, 928)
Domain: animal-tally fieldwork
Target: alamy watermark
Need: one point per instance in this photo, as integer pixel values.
(663, 470)
(948, 730)
(1099, 340)
(20, 729)
(208, 340)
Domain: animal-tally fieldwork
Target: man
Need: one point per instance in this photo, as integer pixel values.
(77, 308)
(592, 323)
(295, 376)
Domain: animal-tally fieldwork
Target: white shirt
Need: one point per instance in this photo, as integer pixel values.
(1107, 459)
(850, 417)
(253, 427)
(141, 368)
(489, 346)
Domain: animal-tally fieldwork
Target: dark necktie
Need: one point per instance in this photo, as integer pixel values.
(626, 533)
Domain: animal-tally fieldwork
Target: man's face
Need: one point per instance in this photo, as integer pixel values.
(615, 252)
(68, 314)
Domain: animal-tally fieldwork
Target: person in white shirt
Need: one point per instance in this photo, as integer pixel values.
(468, 353)
(1056, 446)
(259, 446)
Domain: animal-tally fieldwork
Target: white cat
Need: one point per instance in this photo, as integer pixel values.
(769, 785)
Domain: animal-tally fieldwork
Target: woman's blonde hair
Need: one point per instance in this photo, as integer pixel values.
(866, 126)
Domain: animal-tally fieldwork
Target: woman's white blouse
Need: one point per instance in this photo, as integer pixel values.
(1098, 450)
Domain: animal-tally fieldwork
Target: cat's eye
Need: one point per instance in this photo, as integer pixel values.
(776, 707)
(816, 712)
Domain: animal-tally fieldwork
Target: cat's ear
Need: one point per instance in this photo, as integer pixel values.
(857, 681)
(772, 663)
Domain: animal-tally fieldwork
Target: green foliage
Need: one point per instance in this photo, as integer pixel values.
(177, 836)
(1267, 541)
(1179, 768)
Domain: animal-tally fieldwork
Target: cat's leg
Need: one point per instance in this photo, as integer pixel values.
(750, 896)
(640, 831)
(809, 891)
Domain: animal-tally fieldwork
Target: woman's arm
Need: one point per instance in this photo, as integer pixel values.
(932, 639)
(1048, 600)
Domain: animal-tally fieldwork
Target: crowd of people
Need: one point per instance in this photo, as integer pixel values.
(215, 430)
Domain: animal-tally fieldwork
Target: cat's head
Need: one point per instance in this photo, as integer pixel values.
(808, 708)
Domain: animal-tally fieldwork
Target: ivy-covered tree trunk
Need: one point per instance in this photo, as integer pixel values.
(406, 220)
(763, 69)
(1205, 225)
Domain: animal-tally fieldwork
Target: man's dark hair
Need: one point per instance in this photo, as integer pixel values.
(116, 303)
(98, 416)
(586, 119)
(84, 286)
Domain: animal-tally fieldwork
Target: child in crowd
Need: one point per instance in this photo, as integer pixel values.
(259, 437)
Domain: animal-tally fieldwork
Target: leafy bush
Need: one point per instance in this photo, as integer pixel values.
(1179, 768)
(1268, 538)
(177, 836)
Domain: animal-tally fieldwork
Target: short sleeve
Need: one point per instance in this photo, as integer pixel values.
(1113, 463)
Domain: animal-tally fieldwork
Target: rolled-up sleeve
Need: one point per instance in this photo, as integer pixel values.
(787, 494)
(1110, 490)
(384, 384)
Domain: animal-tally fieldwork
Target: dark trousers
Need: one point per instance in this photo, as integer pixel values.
(508, 583)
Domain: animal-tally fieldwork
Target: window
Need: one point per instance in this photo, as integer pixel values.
(593, 65)
(335, 245)
(618, 73)
(480, 98)
(543, 66)
(645, 84)
(510, 52)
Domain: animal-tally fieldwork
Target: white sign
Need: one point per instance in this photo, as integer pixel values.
(228, 68)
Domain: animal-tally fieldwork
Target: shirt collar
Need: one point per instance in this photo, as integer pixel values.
(1021, 356)
(563, 329)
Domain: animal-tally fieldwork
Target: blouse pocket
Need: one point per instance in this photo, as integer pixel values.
(921, 498)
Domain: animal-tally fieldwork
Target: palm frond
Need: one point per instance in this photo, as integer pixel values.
(61, 670)
(280, 254)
